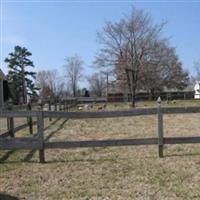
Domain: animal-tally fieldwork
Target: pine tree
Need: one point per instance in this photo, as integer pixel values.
(19, 78)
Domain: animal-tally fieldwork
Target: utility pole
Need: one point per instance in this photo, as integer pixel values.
(107, 83)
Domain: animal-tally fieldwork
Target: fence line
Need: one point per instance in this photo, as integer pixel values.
(16, 129)
(145, 96)
(25, 110)
(102, 114)
(40, 144)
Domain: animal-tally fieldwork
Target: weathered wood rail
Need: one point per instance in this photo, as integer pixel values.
(40, 144)
(26, 108)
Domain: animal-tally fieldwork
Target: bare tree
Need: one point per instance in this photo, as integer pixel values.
(42, 84)
(164, 71)
(127, 45)
(50, 84)
(98, 84)
(73, 69)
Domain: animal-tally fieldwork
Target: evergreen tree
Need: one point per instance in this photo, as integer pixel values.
(19, 78)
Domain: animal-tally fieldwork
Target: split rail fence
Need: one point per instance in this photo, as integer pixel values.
(38, 142)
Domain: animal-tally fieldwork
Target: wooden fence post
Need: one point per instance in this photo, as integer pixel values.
(160, 128)
(50, 119)
(67, 107)
(10, 121)
(63, 105)
(29, 119)
(60, 108)
(40, 129)
(64, 102)
(41, 136)
(40, 104)
(55, 109)
(167, 96)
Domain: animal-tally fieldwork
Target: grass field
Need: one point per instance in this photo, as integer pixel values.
(111, 172)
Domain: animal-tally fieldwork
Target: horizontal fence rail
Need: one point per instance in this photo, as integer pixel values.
(19, 143)
(181, 140)
(100, 114)
(122, 142)
(101, 143)
(16, 129)
(176, 110)
(40, 144)
(18, 114)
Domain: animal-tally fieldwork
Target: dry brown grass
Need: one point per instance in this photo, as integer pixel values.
(107, 173)
(17, 122)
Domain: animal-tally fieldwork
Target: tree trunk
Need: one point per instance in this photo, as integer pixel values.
(151, 94)
(133, 97)
(74, 90)
(132, 87)
(107, 84)
(24, 99)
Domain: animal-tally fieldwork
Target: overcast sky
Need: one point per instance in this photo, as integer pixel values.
(52, 30)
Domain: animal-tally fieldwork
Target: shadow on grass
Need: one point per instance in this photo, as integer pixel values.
(30, 155)
(7, 197)
(51, 124)
(81, 160)
(182, 155)
(100, 160)
(6, 156)
(53, 132)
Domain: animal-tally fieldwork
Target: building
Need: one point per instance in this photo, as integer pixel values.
(5, 93)
(2, 79)
(197, 90)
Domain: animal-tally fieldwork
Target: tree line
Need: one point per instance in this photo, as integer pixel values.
(133, 55)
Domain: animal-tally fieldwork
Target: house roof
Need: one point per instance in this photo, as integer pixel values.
(2, 75)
